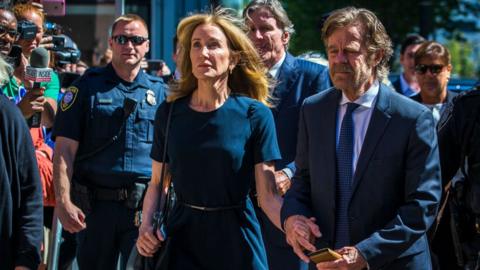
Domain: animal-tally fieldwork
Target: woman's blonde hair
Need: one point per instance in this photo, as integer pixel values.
(248, 77)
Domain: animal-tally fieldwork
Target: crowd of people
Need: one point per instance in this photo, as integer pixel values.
(269, 156)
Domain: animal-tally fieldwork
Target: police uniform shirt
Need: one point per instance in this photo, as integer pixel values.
(92, 113)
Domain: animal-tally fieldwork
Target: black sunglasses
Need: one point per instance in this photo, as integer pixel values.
(11, 32)
(434, 69)
(136, 40)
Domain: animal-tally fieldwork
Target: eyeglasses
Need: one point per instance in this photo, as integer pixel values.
(136, 40)
(434, 69)
(11, 32)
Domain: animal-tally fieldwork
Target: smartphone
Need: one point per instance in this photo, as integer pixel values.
(155, 64)
(324, 255)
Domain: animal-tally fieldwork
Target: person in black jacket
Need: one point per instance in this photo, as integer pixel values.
(21, 211)
(457, 240)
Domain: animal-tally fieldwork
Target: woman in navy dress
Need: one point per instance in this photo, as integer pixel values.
(221, 143)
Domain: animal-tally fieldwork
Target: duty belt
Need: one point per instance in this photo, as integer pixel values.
(106, 194)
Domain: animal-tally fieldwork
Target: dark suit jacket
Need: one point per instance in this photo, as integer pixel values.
(297, 79)
(396, 186)
(397, 85)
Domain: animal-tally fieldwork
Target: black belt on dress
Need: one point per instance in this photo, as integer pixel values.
(213, 209)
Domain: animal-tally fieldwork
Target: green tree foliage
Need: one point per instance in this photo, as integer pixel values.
(461, 51)
(399, 17)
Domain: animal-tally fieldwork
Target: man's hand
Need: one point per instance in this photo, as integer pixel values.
(22, 268)
(47, 42)
(301, 233)
(71, 68)
(148, 243)
(351, 260)
(71, 217)
(32, 102)
(282, 181)
(164, 71)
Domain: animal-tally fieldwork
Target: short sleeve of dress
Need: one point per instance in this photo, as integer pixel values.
(159, 132)
(72, 111)
(265, 145)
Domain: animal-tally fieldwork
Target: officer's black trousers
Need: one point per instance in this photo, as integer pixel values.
(110, 232)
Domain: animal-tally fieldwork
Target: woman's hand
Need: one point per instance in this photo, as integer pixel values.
(148, 243)
(32, 102)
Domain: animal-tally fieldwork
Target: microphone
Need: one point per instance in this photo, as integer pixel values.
(38, 72)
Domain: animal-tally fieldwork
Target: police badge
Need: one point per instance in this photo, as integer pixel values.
(69, 98)
(151, 100)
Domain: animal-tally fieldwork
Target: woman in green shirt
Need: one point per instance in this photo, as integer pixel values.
(34, 100)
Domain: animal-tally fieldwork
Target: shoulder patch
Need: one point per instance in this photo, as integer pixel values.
(69, 98)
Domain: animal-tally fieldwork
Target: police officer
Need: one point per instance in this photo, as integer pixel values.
(104, 132)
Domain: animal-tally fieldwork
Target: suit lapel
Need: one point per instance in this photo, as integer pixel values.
(376, 128)
(287, 75)
(325, 142)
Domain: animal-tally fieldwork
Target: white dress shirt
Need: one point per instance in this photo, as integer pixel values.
(274, 70)
(437, 110)
(361, 118)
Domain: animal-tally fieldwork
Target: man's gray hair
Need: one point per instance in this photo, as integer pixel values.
(277, 10)
(374, 34)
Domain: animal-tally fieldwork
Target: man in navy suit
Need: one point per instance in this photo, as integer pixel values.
(368, 177)
(270, 31)
(407, 83)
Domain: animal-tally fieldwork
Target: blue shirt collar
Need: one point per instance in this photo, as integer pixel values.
(405, 87)
(140, 80)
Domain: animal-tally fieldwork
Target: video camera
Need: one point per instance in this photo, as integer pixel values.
(68, 56)
(58, 43)
(65, 50)
(26, 30)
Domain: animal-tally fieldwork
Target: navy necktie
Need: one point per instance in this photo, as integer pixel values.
(344, 158)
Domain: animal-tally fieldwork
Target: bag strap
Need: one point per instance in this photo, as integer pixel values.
(163, 174)
(128, 108)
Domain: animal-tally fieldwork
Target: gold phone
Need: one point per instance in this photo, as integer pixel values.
(324, 255)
